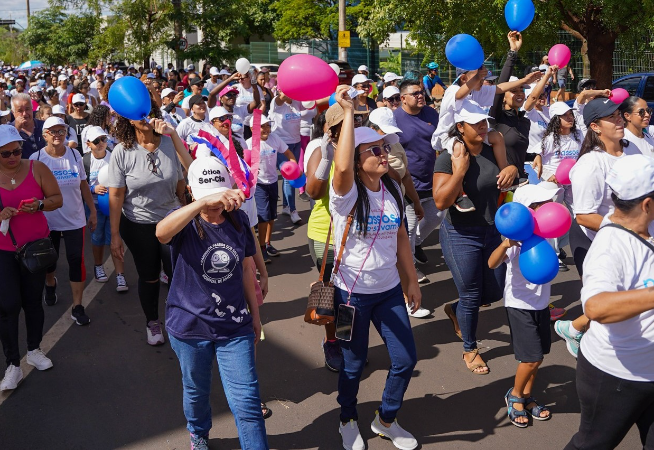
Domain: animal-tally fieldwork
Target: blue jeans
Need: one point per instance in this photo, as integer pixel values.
(288, 192)
(387, 312)
(237, 372)
(466, 251)
(102, 234)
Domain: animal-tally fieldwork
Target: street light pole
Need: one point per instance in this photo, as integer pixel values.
(28, 13)
(342, 26)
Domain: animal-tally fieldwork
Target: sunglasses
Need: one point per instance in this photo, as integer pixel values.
(224, 118)
(364, 86)
(378, 150)
(152, 163)
(642, 111)
(394, 99)
(9, 153)
(57, 133)
(79, 105)
(96, 141)
(416, 94)
(231, 95)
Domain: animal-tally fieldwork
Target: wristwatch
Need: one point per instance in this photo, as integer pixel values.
(41, 206)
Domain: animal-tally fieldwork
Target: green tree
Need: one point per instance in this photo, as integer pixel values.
(12, 49)
(597, 22)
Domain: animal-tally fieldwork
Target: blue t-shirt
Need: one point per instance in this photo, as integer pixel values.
(416, 140)
(33, 143)
(430, 83)
(206, 299)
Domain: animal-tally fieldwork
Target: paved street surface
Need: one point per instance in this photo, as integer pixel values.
(109, 389)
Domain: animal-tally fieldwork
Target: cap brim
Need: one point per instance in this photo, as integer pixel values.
(199, 192)
(389, 129)
(472, 118)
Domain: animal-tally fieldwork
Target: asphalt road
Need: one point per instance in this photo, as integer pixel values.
(109, 389)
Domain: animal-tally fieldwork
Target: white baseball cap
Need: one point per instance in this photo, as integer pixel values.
(559, 108)
(58, 109)
(366, 135)
(8, 134)
(524, 86)
(131, 66)
(632, 177)
(62, 78)
(5, 112)
(118, 75)
(224, 72)
(536, 193)
(218, 111)
(208, 176)
(190, 67)
(78, 98)
(264, 120)
(385, 120)
(94, 132)
(390, 91)
(391, 76)
(359, 78)
(166, 92)
(214, 71)
(151, 75)
(471, 113)
(35, 89)
(363, 68)
(54, 121)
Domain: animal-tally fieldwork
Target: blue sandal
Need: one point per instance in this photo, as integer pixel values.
(514, 413)
(536, 411)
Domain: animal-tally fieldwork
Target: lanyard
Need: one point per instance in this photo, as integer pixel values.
(381, 217)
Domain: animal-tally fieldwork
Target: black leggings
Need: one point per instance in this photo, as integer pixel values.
(579, 244)
(20, 289)
(74, 240)
(610, 406)
(148, 254)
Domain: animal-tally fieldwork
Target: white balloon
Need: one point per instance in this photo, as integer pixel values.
(242, 66)
(103, 176)
(336, 68)
(309, 105)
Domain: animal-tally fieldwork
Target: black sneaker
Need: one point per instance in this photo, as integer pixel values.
(562, 254)
(79, 316)
(272, 251)
(562, 266)
(50, 296)
(420, 255)
(464, 204)
(266, 257)
(333, 355)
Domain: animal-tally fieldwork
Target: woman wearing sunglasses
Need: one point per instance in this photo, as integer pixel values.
(78, 118)
(21, 289)
(376, 264)
(69, 221)
(392, 98)
(145, 183)
(637, 115)
(99, 117)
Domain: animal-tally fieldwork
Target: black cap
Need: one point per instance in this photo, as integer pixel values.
(585, 82)
(598, 108)
(195, 81)
(194, 100)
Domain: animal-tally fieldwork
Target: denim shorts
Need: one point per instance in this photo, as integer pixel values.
(102, 233)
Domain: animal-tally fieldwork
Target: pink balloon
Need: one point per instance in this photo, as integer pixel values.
(619, 95)
(290, 170)
(562, 173)
(305, 78)
(533, 214)
(559, 55)
(553, 220)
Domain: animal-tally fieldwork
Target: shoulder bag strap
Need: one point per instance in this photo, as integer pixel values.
(631, 232)
(350, 217)
(11, 235)
(324, 255)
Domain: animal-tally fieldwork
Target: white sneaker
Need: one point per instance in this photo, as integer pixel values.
(419, 314)
(295, 217)
(155, 336)
(422, 278)
(286, 210)
(121, 284)
(38, 359)
(13, 376)
(100, 275)
(401, 438)
(352, 439)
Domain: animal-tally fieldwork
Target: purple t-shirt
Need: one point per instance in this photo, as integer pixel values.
(206, 299)
(416, 140)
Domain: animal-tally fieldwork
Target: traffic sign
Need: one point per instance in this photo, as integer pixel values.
(182, 44)
(344, 39)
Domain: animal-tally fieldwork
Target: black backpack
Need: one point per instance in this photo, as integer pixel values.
(86, 159)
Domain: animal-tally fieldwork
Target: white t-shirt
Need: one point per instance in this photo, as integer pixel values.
(246, 96)
(268, 150)
(578, 111)
(306, 120)
(188, 127)
(96, 165)
(63, 93)
(239, 115)
(449, 105)
(174, 118)
(568, 148)
(590, 192)
(644, 144)
(69, 172)
(379, 273)
(520, 293)
(287, 117)
(209, 84)
(311, 147)
(539, 121)
(617, 261)
(203, 151)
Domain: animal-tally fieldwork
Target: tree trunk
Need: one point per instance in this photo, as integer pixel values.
(584, 49)
(601, 45)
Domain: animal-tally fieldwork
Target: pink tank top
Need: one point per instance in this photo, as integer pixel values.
(25, 227)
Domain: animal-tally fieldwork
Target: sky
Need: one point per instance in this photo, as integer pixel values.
(17, 9)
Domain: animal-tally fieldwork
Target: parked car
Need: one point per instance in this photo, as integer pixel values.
(346, 74)
(638, 84)
(273, 68)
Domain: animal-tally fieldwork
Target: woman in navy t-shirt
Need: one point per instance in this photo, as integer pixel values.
(212, 309)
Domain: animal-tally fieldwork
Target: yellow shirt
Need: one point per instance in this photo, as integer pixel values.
(318, 225)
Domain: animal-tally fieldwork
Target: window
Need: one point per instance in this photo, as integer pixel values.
(648, 92)
(629, 84)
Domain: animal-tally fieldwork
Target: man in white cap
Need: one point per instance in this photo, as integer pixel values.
(363, 69)
(63, 88)
(390, 80)
(391, 98)
(170, 112)
(78, 118)
(214, 79)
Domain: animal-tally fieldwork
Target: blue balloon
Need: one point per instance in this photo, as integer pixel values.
(129, 97)
(531, 173)
(538, 261)
(332, 99)
(298, 182)
(515, 221)
(519, 14)
(465, 52)
(103, 203)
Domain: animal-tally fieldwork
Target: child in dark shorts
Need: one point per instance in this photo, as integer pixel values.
(527, 308)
